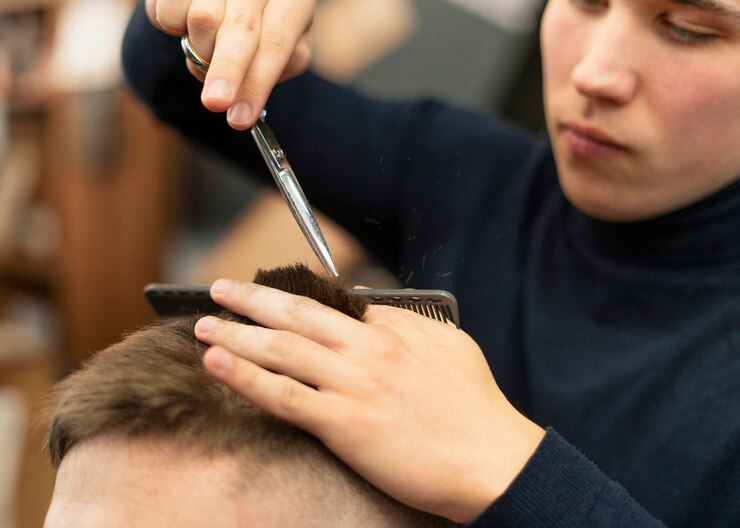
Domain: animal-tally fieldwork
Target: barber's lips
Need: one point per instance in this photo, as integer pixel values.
(587, 142)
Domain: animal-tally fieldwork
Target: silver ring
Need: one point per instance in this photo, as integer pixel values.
(193, 56)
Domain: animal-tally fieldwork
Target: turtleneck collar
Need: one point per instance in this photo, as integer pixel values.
(704, 234)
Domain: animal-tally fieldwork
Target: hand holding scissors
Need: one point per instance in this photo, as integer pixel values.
(250, 44)
(282, 173)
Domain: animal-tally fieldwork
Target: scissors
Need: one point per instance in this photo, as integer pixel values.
(282, 173)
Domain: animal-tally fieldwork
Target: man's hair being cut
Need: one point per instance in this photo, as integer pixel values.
(152, 384)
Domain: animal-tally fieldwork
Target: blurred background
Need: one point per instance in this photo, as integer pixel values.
(97, 199)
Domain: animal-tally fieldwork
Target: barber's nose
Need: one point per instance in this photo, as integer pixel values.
(605, 72)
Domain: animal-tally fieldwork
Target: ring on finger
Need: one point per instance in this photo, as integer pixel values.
(193, 55)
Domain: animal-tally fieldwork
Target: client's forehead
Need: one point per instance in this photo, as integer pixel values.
(119, 482)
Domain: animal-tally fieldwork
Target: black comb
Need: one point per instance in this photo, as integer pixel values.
(169, 300)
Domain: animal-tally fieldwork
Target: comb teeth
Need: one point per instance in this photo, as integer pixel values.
(439, 305)
(431, 310)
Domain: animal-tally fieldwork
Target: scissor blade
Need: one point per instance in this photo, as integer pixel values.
(291, 190)
(282, 173)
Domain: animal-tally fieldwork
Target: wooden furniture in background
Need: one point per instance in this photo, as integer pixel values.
(109, 192)
(116, 218)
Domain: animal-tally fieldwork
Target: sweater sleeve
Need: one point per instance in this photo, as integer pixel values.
(561, 488)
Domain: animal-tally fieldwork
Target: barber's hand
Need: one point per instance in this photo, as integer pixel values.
(408, 402)
(250, 44)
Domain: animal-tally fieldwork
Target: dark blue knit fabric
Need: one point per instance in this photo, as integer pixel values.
(623, 338)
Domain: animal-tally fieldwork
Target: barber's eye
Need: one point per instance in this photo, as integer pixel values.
(682, 35)
(590, 4)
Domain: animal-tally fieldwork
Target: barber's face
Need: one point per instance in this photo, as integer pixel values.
(643, 102)
(119, 484)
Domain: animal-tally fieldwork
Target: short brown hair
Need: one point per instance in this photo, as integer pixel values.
(152, 385)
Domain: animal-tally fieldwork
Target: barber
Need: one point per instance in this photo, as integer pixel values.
(598, 271)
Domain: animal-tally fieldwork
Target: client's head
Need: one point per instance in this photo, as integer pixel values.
(143, 436)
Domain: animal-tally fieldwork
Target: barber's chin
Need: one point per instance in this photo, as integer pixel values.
(603, 203)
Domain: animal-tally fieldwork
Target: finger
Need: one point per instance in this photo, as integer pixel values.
(283, 311)
(277, 394)
(235, 45)
(283, 24)
(194, 71)
(383, 316)
(280, 351)
(300, 60)
(150, 6)
(203, 20)
(383, 312)
(171, 15)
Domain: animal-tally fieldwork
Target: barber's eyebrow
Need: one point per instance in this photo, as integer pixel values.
(715, 6)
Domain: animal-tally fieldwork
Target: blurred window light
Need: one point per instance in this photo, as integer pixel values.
(87, 43)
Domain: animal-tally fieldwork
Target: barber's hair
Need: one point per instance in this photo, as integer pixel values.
(152, 384)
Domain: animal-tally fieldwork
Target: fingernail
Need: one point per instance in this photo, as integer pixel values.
(220, 360)
(240, 114)
(206, 324)
(222, 286)
(218, 89)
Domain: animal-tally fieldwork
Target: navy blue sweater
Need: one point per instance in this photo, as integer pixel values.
(622, 339)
